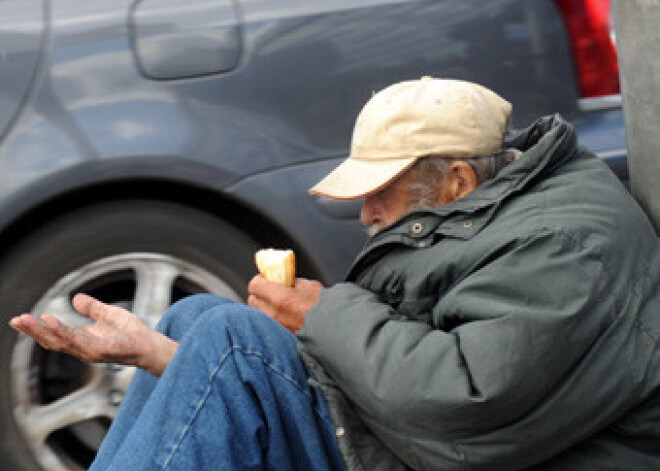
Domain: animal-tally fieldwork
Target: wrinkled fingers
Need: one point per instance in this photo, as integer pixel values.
(261, 305)
(89, 306)
(49, 332)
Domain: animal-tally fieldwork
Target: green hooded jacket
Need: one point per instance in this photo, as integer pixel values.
(514, 329)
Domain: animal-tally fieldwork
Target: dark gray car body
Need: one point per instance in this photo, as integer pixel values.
(235, 108)
(83, 109)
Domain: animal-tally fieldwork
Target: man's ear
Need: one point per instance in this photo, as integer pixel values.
(461, 180)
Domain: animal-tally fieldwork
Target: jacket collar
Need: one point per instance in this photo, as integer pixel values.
(546, 145)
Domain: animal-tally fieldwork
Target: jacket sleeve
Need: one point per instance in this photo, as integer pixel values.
(539, 359)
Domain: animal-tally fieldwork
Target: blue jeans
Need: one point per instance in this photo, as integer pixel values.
(234, 397)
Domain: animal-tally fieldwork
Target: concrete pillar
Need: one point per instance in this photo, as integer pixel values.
(637, 26)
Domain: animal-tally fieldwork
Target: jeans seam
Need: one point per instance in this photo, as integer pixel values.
(209, 388)
(200, 404)
(282, 374)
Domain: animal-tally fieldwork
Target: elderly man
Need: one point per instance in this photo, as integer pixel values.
(505, 315)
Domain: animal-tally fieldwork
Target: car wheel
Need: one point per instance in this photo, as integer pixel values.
(141, 255)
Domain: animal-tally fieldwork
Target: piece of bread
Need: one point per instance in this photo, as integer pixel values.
(277, 265)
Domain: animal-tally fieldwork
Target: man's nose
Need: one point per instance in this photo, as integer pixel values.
(368, 214)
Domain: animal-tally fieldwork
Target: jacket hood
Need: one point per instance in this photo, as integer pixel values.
(546, 145)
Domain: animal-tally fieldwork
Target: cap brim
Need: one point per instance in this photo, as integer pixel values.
(354, 179)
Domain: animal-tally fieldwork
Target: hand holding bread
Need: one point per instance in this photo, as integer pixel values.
(278, 293)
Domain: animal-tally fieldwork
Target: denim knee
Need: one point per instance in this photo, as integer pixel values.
(238, 318)
(183, 314)
(242, 328)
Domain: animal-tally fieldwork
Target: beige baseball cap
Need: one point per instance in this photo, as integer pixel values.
(414, 119)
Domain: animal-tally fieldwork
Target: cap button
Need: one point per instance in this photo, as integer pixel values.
(417, 228)
(467, 224)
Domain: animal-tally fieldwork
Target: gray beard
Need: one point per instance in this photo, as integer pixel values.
(413, 206)
(374, 229)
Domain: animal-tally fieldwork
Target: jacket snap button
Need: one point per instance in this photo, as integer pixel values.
(340, 432)
(417, 228)
(467, 224)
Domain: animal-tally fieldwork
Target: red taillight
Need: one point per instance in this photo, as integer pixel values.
(590, 31)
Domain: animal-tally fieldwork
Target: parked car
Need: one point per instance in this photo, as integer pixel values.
(149, 147)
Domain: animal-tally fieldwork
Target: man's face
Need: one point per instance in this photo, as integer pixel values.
(387, 206)
(390, 204)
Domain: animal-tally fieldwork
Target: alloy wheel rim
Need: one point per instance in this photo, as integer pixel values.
(59, 420)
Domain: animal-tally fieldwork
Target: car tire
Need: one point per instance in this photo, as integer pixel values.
(139, 254)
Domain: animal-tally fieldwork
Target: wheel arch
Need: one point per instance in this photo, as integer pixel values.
(246, 218)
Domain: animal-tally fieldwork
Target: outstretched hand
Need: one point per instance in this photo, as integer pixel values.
(116, 336)
(288, 306)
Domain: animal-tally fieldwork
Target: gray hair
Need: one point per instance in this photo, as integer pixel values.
(428, 171)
